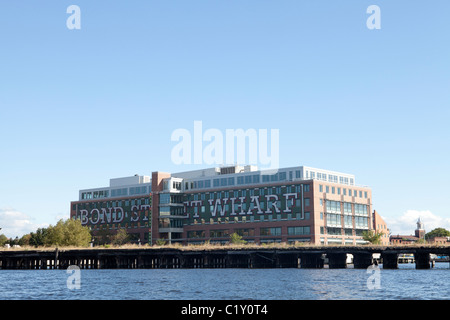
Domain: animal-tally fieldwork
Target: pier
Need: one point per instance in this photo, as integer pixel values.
(242, 257)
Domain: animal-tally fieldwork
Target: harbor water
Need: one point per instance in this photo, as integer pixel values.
(228, 284)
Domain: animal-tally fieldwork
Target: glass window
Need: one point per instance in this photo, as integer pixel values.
(275, 231)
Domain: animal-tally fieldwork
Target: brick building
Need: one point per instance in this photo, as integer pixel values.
(300, 204)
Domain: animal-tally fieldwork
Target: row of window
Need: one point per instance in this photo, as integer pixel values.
(335, 220)
(250, 232)
(250, 192)
(343, 191)
(120, 192)
(258, 178)
(112, 204)
(335, 207)
(329, 177)
(252, 218)
(334, 231)
(241, 180)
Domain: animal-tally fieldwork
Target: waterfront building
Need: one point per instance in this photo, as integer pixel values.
(380, 225)
(126, 203)
(419, 234)
(296, 204)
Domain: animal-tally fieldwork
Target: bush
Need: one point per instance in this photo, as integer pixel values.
(236, 239)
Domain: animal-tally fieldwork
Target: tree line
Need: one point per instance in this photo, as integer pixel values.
(375, 237)
(68, 233)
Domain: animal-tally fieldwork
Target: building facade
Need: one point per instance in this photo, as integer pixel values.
(380, 226)
(297, 204)
(125, 204)
(419, 235)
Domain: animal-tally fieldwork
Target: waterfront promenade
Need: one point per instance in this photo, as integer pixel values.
(251, 257)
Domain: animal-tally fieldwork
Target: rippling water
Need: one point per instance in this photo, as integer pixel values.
(228, 284)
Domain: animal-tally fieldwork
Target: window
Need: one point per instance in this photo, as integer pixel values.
(361, 209)
(320, 188)
(348, 222)
(334, 231)
(298, 231)
(361, 222)
(333, 219)
(270, 231)
(219, 233)
(164, 198)
(196, 234)
(347, 207)
(245, 232)
(223, 182)
(307, 202)
(333, 206)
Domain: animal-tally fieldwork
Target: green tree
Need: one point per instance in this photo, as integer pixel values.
(68, 233)
(37, 238)
(372, 237)
(236, 239)
(3, 240)
(25, 240)
(438, 232)
(103, 235)
(120, 238)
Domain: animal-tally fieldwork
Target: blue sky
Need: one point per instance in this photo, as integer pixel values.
(78, 107)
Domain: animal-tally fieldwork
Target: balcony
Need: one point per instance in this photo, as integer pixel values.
(171, 230)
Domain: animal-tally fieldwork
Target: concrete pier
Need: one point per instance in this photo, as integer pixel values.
(337, 260)
(362, 260)
(390, 260)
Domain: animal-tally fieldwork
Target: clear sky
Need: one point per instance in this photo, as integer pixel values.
(78, 107)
